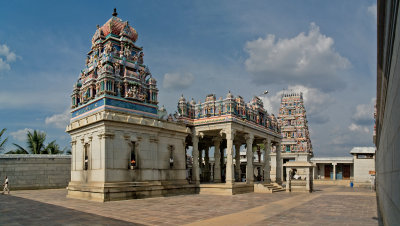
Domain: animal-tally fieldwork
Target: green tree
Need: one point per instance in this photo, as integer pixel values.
(2, 143)
(66, 151)
(18, 151)
(35, 143)
(52, 148)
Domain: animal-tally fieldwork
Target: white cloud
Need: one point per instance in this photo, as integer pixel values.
(373, 11)
(20, 135)
(315, 102)
(357, 128)
(4, 66)
(364, 113)
(307, 59)
(6, 57)
(177, 80)
(59, 120)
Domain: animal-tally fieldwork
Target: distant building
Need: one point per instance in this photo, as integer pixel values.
(360, 169)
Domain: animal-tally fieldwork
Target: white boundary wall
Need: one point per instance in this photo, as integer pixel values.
(35, 171)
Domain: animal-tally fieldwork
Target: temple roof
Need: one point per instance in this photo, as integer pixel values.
(117, 27)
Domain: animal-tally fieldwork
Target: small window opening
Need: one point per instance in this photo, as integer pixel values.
(133, 161)
(86, 161)
(171, 156)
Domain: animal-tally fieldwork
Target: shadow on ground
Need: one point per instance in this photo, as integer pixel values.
(20, 211)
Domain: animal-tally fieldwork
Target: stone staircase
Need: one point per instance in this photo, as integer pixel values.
(268, 188)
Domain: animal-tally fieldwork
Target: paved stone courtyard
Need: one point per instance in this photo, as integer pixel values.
(329, 205)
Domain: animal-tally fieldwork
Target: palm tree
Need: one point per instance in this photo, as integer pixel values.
(2, 143)
(35, 142)
(52, 148)
(17, 151)
(67, 150)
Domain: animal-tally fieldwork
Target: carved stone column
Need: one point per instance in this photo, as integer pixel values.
(195, 155)
(334, 171)
(249, 154)
(217, 160)
(278, 163)
(230, 177)
(237, 159)
(267, 157)
(201, 171)
(206, 164)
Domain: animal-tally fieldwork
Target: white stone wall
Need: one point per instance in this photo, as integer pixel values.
(110, 148)
(35, 171)
(362, 168)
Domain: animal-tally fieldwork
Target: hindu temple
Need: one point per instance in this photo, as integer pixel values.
(123, 147)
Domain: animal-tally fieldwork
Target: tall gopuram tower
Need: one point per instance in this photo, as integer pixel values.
(120, 148)
(296, 143)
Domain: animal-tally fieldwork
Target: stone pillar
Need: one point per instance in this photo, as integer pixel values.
(201, 159)
(278, 163)
(212, 171)
(288, 179)
(249, 154)
(237, 162)
(206, 165)
(229, 175)
(308, 179)
(267, 165)
(217, 160)
(195, 155)
(334, 171)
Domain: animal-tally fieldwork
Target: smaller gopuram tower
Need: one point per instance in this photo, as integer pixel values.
(120, 148)
(293, 121)
(296, 143)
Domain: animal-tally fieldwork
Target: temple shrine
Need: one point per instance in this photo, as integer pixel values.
(123, 147)
(227, 124)
(296, 142)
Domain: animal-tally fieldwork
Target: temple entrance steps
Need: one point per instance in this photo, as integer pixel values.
(268, 188)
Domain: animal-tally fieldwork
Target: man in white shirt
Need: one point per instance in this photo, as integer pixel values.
(6, 186)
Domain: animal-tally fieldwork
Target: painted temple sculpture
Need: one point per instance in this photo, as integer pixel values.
(252, 112)
(296, 143)
(115, 69)
(293, 121)
(123, 146)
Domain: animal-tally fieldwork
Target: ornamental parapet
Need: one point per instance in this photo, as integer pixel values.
(235, 108)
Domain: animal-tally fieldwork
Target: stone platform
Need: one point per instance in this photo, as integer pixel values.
(226, 189)
(103, 192)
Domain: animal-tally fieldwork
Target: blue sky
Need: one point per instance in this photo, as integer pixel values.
(326, 49)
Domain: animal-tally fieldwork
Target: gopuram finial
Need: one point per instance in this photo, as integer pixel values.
(115, 12)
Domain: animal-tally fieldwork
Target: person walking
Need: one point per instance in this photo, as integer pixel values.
(6, 186)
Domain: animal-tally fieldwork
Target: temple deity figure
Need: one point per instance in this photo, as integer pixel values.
(140, 58)
(135, 58)
(108, 49)
(117, 68)
(127, 52)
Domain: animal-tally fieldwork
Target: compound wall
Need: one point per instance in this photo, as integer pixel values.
(35, 171)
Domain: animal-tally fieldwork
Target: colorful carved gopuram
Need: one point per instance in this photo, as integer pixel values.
(115, 76)
(120, 148)
(226, 125)
(293, 121)
(296, 142)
